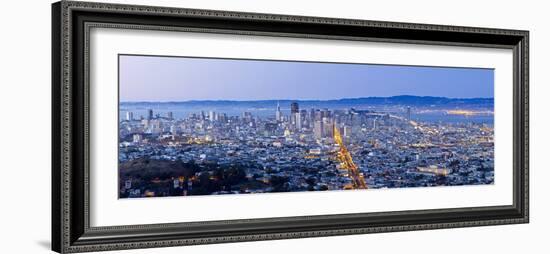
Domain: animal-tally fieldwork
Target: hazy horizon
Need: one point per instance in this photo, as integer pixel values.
(180, 79)
(306, 100)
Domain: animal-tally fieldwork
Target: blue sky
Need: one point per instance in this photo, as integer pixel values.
(153, 78)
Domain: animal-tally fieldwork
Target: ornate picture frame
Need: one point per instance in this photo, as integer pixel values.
(71, 24)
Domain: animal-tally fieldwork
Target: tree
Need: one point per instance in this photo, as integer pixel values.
(311, 181)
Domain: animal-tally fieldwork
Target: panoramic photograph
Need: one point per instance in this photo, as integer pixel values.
(191, 126)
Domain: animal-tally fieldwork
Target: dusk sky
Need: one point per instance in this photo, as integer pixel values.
(147, 78)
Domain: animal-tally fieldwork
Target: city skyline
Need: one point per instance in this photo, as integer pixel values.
(315, 149)
(203, 126)
(174, 79)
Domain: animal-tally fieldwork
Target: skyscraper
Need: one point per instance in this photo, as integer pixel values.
(294, 108)
(295, 118)
(170, 115)
(203, 116)
(222, 117)
(408, 113)
(211, 115)
(304, 116)
(149, 114)
(318, 129)
(327, 127)
(278, 114)
(129, 116)
(325, 113)
(298, 121)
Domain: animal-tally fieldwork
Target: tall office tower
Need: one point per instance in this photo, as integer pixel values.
(222, 117)
(408, 113)
(203, 116)
(129, 116)
(294, 108)
(278, 114)
(374, 124)
(312, 115)
(252, 122)
(149, 114)
(325, 113)
(298, 121)
(327, 127)
(294, 114)
(304, 118)
(211, 115)
(170, 115)
(318, 115)
(318, 129)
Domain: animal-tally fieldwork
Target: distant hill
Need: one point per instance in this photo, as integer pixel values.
(393, 100)
(418, 100)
